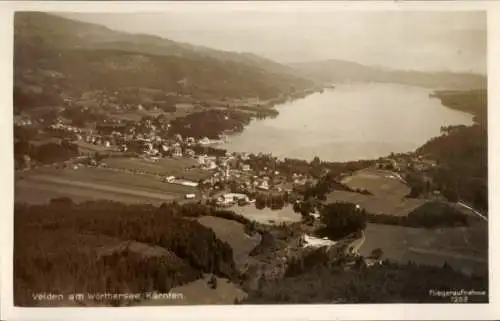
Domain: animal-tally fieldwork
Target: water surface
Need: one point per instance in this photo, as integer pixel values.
(350, 122)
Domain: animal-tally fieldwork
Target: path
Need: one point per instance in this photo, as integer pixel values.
(356, 244)
(473, 210)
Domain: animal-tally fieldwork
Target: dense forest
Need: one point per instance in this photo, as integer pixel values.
(57, 247)
(210, 123)
(325, 283)
(26, 153)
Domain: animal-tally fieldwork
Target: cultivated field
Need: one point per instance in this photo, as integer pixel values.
(40, 185)
(378, 182)
(464, 248)
(180, 168)
(388, 193)
(377, 204)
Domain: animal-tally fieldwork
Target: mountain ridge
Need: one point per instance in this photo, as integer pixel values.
(338, 71)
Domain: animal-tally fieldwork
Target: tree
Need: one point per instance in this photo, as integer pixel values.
(342, 219)
(377, 253)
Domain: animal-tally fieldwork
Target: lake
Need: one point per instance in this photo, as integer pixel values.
(350, 122)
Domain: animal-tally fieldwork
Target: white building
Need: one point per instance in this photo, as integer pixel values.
(230, 198)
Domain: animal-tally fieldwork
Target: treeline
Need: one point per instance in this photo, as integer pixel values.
(37, 228)
(47, 153)
(386, 283)
(210, 123)
(429, 215)
(272, 201)
(80, 116)
(208, 150)
(25, 100)
(314, 168)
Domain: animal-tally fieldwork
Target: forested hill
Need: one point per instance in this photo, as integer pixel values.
(339, 71)
(463, 150)
(54, 55)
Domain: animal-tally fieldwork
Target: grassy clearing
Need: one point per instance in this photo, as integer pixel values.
(465, 248)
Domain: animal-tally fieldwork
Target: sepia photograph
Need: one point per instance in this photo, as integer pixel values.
(241, 156)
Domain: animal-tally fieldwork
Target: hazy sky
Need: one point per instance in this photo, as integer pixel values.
(415, 40)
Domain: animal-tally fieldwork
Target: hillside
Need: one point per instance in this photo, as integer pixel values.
(56, 58)
(339, 71)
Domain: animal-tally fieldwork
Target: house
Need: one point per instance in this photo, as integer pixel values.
(264, 185)
(245, 167)
(170, 179)
(201, 160)
(190, 153)
(178, 152)
(185, 182)
(189, 196)
(231, 198)
(204, 141)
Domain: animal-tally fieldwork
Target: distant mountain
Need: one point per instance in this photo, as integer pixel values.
(339, 71)
(59, 56)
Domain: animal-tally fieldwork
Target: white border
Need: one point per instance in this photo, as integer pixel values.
(289, 312)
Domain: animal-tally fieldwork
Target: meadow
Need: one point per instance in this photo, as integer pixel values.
(464, 248)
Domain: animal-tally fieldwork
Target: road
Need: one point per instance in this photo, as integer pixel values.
(473, 211)
(356, 244)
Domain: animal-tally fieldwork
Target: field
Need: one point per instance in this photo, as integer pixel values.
(464, 248)
(180, 168)
(268, 216)
(377, 204)
(233, 233)
(40, 185)
(378, 182)
(388, 193)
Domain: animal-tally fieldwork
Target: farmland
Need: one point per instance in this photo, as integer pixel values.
(388, 193)
(378, 182)
(40, 185)
(181, 168)
(464, 248)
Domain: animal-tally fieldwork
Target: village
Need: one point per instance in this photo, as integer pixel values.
(209, 173)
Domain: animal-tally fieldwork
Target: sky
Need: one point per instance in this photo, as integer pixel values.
(410, 40)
